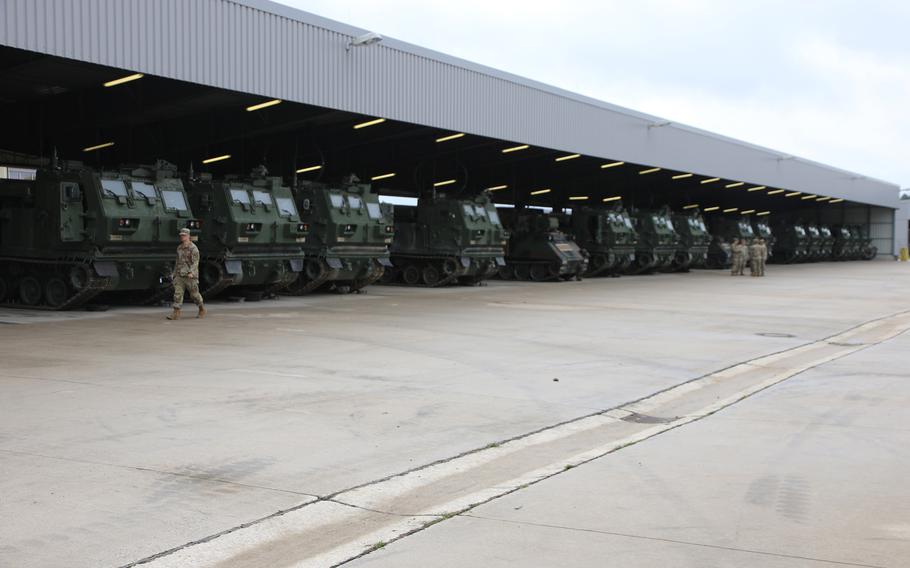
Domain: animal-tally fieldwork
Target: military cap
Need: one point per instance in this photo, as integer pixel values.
(184, 232)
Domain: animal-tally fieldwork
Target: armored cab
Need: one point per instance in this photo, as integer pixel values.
(347, 246)
(724, 231)
(791, 242)
(762, 228)
(253, 237)
(69, 233)
(537, 250)
(814, 236)
(658, 241)
(866, 251)
(606, 234)
(446, 240)
(826, 242)
(845, 246)
(694, 241)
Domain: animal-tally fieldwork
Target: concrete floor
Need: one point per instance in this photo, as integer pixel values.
(123, 435)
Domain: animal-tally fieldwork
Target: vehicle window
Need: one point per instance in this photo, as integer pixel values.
(143, 189)
(286, 206)
(628, 222)
(337, 200)
(374, 211)
(354, 201)
(240, 196)
(262, 197)
(494, 217)
(479, 211)
(174, 199)
(468, 209)
(113, 187)
(668, 223)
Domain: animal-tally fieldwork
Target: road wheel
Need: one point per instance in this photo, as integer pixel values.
(411, 275)
(522, 272)
(80, 276)
(56, 292)
(540, 272)
(506, 272)
(430, 275)
(30, 291)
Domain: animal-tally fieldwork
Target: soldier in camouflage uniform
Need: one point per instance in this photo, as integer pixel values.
(186, 275)
(755, 256)
(763, 257)
(739, 257)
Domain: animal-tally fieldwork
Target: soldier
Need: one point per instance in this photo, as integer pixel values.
(755, 256)
(186, 275)
(739, 251)
(763, 258)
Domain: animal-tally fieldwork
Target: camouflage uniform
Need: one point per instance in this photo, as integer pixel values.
(763, 256)
(755, 257)
(739, 258)
(187, 263)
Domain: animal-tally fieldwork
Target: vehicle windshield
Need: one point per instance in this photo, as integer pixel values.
(628, 221)
(240, 196)
(494, 217)
(374, 211)
(337, 200)
(286, 206)
(468, 209)
(262, 197)
(113, 187)
(174, 199)
(479, 210)
(354, 201)
(800, 231)
(143, 189)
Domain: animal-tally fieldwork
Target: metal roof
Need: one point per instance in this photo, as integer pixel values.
(263, 48)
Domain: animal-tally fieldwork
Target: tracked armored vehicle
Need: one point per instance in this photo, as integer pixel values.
(866, 250)
(71, 233)
(446, 240)
(606, 234)
(347, 246)
(537, 250)
(658, 241)
(826, 242)
(694, 241)
(845, 246)
(724, 231)
(253, 237)
(814, 247)
(791, 242)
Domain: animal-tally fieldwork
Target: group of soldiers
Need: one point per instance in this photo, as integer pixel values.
(756, 254)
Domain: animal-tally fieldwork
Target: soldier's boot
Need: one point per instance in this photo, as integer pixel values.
(201, 313)
(175, 315)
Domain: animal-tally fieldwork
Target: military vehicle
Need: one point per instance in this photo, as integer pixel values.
(253, 234)
(866, 250)
(814, 247)
(446, 239)
(846, 247)
(537, 250)
(72, 233)
(725, 230)
(658, 241)
(826, 242)
(791, 242)
(694, 241)
(606, 234)
(762, 228)
(347, 245)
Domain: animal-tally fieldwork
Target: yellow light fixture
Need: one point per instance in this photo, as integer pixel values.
(614, 198)
(444, 182)
(776, 191)
(382, 176)
(216, 159)
(762, 213)
(515, 148)
(756, 188)
(709, 180)
(747, 211)
(835, 201)
(823, 199)
(611, 165)
(98, 147)
(541, 191)
(450, 137)
(793, 194)
(731, 210)
(648, 171)
(369, 123)
(737, 184)
(683, 176)
(692, 206)
(123, 80)
(309, 169)
(569, 157)
(578, 198)
(266, 104)
(709, 209)
(805, 197)
(497, 187)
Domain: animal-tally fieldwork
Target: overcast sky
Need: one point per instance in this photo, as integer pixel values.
(825, 80)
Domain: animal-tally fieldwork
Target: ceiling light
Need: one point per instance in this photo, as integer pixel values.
(216, 159)
(266, 104)
(123, 80)
(614, 198)
(747, 211)
(737, 184)
(382, 176)
(611, 165)
(649, 171)
(731, 210)
(709, 180)
(823, 199)
(693, 206)
(309, 169)
(683, 176)
(369, 123)
(793, 194)
(515, 148)
(569, 157)
(756, 188)
(541, 191)
(761, 213)
(497, 187)
(835, 201)
(709, 209)
(776, 191)
(444, 182)
(450, 137)
(578, 198)
(805, 197)
(98, 147)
